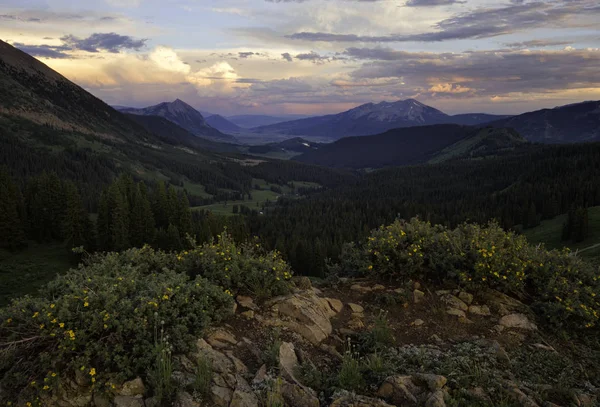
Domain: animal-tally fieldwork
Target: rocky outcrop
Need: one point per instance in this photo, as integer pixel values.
(517, 321)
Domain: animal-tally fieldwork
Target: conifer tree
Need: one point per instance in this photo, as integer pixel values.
(75, 224)
(12, 233)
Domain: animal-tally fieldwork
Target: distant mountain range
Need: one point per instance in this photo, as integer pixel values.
(296, 145)
(414, 145)
(573, 123)
(371, 118)
(222, 124)
(248, 121)
(185, 116)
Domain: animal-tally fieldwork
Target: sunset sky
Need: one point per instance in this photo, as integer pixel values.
(317, 56)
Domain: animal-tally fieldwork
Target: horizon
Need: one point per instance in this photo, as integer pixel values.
(281, 57)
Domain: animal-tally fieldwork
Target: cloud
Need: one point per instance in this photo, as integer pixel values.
(43, 51)
(484, 23)
(168, 60)
(313, 57)
(287, 56)
(537, 44)
(429, 3)
(110, 42)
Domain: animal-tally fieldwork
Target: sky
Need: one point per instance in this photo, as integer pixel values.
(317, 56)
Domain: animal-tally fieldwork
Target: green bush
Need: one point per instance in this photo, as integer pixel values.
(561, 287)
(97, 323)
(241, 268)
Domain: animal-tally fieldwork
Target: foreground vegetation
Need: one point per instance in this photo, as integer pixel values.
(102, 323)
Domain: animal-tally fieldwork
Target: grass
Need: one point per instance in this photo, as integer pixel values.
(549, 232)
(26, 271)
(259, 197)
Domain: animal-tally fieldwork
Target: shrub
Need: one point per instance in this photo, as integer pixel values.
(97, 323)
(241, 268)
(203, 377)
(563, 288)
(350, 375)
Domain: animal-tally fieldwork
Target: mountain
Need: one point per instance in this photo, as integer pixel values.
(248, 121)
(414, 145)
(222, 124)
(171, 133)
(185, 116)
(372, 118)
(573, 123)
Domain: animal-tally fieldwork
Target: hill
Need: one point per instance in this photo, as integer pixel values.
(369, 119)
(222, 124)
(185, 116)
(171, 133)
(410, 146)
(575, 123)
(290, 147)
(248, 121)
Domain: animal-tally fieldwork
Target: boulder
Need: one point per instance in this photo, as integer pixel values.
(134, 387)
(220, 363)
(418, 296)
(517, 321)
(436, 399)
(335, 304)
(221, 396)
(260, 376)
(432, 381)
(352, 400)
(295, 395)
(399, 390)
(417, 322)
(248, 314)
(465, 297)
(361, 289)
(185, 399)
(220, 338)
(356, 308)
(456, 312)
(481, 310)
(246, 302)
(128, 401)
(306, 314)
(378, 287)
(454, 302)
(288, 361)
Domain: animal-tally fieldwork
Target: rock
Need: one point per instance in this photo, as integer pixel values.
(439, 293)
(432, 381)
(454, 302)
(101, 400)
(246, 302)
(418, 296)
(399, 291)
(134, 387)
(220, 363)
(399, 390)
(248, 314)
(436, 399)
(244, 398)
(465, 320)
(221, 396)
(544, 347)
(306, 315)
(498, 328)
(220, 338)
(185, 399)
(185, 363)
(456, 312)
(346, 332)
(435, 338)
(378, 287)
(183, 379)
(479, 393)
(303, 282)
(502, 302)
(260, 376)
(352, 400)
(335, 304)
(239, 366)
(360, 288)
(331, 350)
(523, 399)
(288, 361)
(482, 310)
(356, 308)
(295, 395)
(465, 297)
(128, 401)
(417, 322)
(417, 285)
(517, 321)
(356, 324)
(501, 353)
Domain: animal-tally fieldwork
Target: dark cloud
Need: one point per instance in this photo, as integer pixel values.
(485, 23)
(246, 54)
(44, 51)
(313, 57)
(430, 3)
(304, 1)
(287, 56)
(387, 54)
(110, 42)
(282, 86)
(537, 44)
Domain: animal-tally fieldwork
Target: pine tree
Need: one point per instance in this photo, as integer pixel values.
(160, 206)
(75, 220)
(103, 223)
(12, 232)
(119, 225)
(185, 216)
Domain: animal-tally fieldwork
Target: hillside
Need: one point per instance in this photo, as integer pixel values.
(185, 116)
(248, 121)
(410, 146)
(371, 118)
(222, 124)
(171, 133)
(574, 123)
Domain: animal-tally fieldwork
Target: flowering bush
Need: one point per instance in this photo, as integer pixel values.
(242, 269)
(563, 288)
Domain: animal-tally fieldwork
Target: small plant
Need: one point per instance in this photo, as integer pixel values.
(311, 376)
(203, 377)
(350, 376)
(161, 377)
(381, 332)
(274, 396)
(270, 355)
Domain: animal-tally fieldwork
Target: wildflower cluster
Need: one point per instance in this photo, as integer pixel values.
(564, 288)
(239, 268)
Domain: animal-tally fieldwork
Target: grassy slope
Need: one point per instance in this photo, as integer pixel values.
(259, 197)
(549, 233)
(26, 271)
